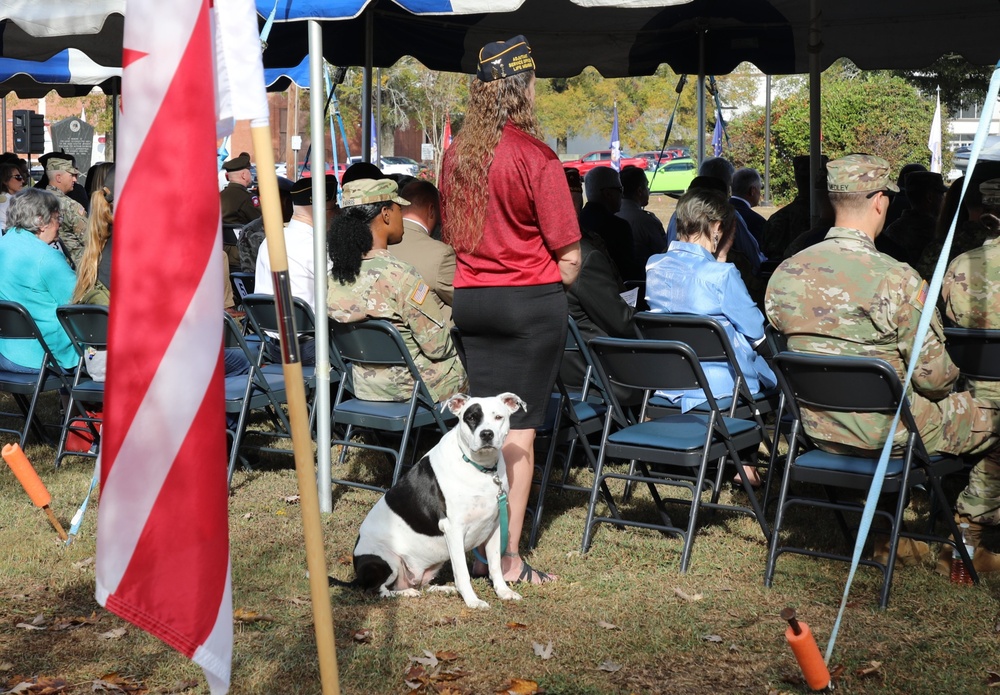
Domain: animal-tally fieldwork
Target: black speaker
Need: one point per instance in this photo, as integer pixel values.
(36, 134)
(22, 127)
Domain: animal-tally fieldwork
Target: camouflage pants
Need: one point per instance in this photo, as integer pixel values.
(962, 425)
(981, 499)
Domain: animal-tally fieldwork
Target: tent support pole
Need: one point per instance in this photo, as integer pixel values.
(815, 110)
(701, 96)
(767, 141)
(322, 404)
(366, 88)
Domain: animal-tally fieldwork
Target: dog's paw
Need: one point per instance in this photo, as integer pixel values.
(478, 604)
(509, 595)
(442, 589)
(405, 593)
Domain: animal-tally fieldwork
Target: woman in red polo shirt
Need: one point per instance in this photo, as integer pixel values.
(507, 211)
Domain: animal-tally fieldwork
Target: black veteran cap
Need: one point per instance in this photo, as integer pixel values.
(302, 192)
(502, 59)
(238, 163)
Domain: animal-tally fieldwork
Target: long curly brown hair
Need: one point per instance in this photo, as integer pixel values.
(491, 106)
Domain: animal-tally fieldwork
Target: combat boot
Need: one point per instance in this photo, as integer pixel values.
(972, 537)
(908, 552)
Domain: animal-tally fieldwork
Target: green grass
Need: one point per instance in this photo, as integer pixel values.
(934, 638)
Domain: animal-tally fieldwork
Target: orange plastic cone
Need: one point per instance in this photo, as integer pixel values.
(31, 483)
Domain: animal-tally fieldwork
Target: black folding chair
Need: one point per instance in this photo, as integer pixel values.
(256, 390)
(706, 336)
(975, 351)
(87, 328)
(16, 324)
(242, 284)
(853, 385)
(378, 343)
(678, 448)
(571, 418)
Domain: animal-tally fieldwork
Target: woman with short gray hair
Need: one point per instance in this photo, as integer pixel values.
(36, 276)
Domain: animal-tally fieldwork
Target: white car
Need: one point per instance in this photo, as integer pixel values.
(394, 165)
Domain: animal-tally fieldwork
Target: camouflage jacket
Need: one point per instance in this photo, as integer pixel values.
(387, 288)
(970, 293)
(842, 297)
(968, 235)
(73, 227)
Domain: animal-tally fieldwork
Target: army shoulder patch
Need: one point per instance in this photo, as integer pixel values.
(922, 294)
(420, 293)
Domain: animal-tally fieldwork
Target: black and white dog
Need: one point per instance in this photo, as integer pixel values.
(446, 505)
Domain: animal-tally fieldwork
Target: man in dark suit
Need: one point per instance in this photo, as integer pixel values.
(745, 196)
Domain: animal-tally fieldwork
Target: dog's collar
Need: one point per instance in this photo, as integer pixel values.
(481, 469)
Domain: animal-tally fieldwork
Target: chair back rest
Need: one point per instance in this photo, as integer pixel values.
(263, 316)
(841, 384)
(86, 325)
(243, 284)
(647, 365)
(372, 342)
(576, 343)
(975, 351)
(703, 334)
(16, 323)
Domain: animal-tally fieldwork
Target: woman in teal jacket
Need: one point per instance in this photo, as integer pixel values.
(36, 276)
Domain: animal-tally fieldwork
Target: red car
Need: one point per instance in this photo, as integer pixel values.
(601, 158)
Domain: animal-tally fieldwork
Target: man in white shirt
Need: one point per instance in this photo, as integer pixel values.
(299, 247)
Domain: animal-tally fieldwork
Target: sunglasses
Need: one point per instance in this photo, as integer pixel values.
(884, 191)
(17, 177)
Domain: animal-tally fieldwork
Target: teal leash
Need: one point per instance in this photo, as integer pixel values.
(501, 504)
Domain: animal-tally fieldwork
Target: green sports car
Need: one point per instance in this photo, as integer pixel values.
(673, 176)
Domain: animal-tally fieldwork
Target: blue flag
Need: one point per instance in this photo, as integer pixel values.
(616, 144)
(717, 136)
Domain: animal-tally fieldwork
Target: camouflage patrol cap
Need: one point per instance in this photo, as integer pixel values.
(990, 190)
(365, 191)
(56, 164)
(501, 59)
(859, 173)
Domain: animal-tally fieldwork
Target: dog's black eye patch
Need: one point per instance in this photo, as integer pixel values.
(473, 416)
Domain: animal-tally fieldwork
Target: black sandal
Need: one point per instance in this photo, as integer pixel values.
(528, 574)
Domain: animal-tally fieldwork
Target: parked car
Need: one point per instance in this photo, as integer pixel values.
(652, 156)
(341, 168)
(394, 165)
(672, 177)
(601, 158)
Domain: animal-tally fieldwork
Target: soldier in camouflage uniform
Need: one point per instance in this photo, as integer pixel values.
(842, 297)
(373, 284)
(971, 296)
(73, 225)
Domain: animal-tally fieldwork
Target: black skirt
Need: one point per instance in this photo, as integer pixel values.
(513, 339)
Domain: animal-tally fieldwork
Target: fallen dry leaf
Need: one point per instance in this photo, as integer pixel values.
(438, 622)
(112, 634)
(428, 659)
(836, 672)
(686, 596)
(42, 685)
(6, 666)
(872, 669)
(607, 626)
(29, 626)
(291, 499)
(712, 638)
(519, 686)
(243, 615)
(362, 636)
(543, 651)
(992, 678)
(517, 626)
(60, 624)
(248, 516)
(298, 600)
(346, 560)
(85, 562)
(113, 683)
(609, 666)
(444, 655)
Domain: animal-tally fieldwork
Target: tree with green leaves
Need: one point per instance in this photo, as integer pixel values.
(871, 112)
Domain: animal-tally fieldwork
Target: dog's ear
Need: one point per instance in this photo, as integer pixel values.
(456, 403)
(513, 402)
